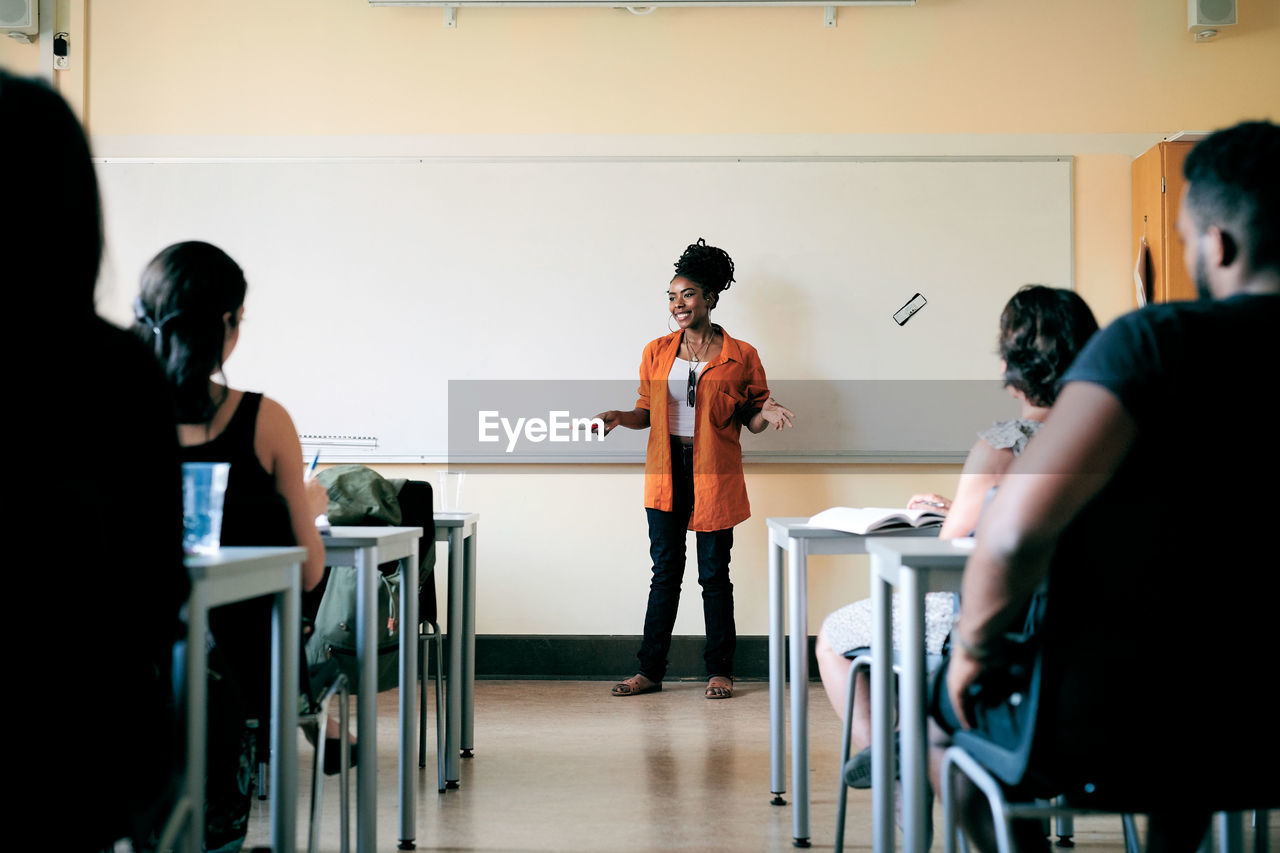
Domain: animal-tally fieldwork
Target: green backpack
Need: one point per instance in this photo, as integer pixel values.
(359, 496)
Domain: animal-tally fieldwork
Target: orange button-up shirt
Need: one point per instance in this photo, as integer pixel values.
(729, 391)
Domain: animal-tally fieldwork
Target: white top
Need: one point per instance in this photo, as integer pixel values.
(679, 412)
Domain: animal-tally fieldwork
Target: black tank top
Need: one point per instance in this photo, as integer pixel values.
(253, 512)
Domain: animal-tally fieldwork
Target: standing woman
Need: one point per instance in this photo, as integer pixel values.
(698, 388)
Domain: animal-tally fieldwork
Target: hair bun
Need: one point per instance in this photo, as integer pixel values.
(709, 267)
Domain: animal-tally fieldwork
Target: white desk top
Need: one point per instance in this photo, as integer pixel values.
(923, 553)
(365, 537)
(458, 518)
(230, 562)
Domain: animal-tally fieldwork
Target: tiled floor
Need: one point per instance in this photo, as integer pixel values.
(563, 766)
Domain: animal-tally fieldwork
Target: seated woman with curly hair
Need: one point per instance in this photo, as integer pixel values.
(1041, 331)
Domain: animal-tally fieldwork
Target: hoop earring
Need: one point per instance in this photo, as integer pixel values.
(669, 322)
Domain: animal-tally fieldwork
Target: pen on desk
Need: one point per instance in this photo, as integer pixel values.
(314, 460)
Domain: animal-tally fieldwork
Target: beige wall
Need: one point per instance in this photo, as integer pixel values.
(978, 66)
(564, 549)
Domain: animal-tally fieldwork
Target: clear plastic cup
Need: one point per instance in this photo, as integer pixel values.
(448, 494)
(204, 485)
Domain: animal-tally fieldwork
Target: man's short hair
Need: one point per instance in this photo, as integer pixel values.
(1234, 178)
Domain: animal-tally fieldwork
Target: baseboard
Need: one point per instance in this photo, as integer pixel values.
(589, 657)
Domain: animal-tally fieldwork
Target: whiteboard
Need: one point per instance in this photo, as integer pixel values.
(382, 288)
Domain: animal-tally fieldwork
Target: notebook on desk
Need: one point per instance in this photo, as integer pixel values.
(874, 519)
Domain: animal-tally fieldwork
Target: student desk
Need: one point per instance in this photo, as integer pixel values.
(231, 575)
(364, 548)
(458, 529)
(794, 537)
(914, 566)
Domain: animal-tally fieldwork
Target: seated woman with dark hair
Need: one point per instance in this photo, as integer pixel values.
(1041, 331)
(190, 311)
(101, 487)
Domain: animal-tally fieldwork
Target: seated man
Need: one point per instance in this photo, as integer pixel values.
(1135, 502)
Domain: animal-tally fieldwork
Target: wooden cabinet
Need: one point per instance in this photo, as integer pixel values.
(1157, 192)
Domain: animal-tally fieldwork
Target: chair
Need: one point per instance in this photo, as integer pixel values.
(859, 661)
(435, 639)
(987, 765)
(317, 719)
(314, 723)
(1003, 812)
(1234, 778)
(416, 511)
(1065, 825)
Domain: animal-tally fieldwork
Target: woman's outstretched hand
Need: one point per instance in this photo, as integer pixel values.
(611, 418)
(634, 419)
(776, 414)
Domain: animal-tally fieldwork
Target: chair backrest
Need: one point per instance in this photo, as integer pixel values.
(1007, 702)
(416, 511)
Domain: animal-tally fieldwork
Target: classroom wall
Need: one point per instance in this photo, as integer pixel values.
(563, 550)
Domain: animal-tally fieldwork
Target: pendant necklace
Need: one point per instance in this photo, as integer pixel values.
(695, 361)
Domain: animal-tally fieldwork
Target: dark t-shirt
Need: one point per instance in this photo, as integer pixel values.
(1164, 590)
(99, 514)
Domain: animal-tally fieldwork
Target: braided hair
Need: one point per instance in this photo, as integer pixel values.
(1042, 329)
(186, 291)
(706, 266)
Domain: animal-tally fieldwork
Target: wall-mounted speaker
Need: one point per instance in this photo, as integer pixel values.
(19, 16)
(1210, 13)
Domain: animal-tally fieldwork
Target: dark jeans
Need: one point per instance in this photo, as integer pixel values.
(667, 532)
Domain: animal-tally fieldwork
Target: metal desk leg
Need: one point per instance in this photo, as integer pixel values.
(408, 694)
(797, 593)
(284, 715)
(469, 647)
(882, 758)
(453, 696)
(366, 560)
(1231, 832)
(915, 779)
(777, 674)
(197, 721)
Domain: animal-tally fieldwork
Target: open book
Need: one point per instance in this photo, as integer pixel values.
(873, 519)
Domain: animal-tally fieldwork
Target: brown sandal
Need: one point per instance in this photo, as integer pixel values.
(719, 687)
(635, 685)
